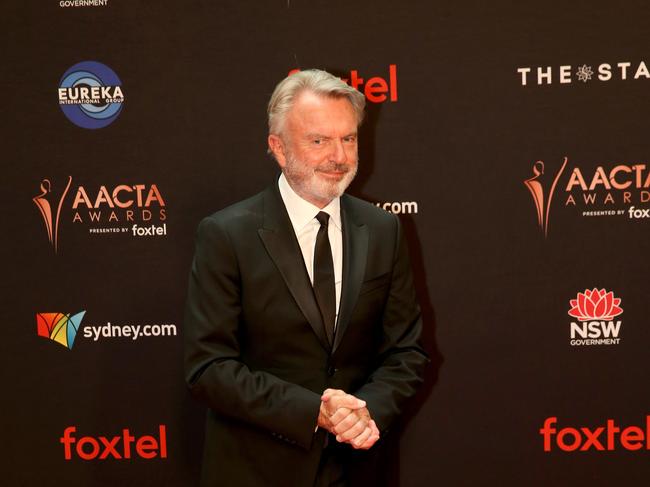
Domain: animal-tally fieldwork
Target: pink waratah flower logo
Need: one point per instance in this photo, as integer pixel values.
(595, 305)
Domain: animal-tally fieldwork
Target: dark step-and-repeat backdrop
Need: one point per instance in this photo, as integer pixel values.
(511, 139)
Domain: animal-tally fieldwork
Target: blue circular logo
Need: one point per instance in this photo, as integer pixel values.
(90, 95)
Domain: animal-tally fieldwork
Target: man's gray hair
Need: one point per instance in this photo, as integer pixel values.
(316, 81)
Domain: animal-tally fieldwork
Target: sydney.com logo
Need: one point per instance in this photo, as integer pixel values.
(59, 327)
(63, 328)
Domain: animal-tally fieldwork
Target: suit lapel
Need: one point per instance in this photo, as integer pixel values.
(355, 253)
(280, 242)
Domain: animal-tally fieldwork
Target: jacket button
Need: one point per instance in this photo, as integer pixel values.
(331, 371)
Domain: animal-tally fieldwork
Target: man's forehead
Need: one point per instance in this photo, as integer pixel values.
(308, 97)
(310, 107)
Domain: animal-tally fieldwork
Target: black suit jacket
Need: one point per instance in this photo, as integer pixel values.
(256, 351)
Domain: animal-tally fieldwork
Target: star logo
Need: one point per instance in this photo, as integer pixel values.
(584, 73)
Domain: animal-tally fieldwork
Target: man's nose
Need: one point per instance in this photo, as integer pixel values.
(338, 152)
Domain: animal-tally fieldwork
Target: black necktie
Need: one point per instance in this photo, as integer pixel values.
(324, 287)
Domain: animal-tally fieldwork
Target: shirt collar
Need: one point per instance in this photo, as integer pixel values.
(302, 212)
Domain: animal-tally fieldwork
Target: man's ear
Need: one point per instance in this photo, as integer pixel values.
(277, 147)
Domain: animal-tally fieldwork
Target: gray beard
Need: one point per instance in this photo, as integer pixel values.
(306, 182)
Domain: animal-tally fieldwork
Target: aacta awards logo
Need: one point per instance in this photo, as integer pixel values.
(607, 437)
(43, 203)
(91, 95)
(595, 311)
(124, 446)
(376, 89)
(59, 327)
(612, 190)
(541, 198)
(137, 210)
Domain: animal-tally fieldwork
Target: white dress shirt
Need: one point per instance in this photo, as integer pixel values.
(303, 219)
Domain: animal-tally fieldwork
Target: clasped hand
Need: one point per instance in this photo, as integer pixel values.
(348, 418)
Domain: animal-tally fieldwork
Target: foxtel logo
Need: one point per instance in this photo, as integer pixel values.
(601, 438)
(117, 447)
(375, 89)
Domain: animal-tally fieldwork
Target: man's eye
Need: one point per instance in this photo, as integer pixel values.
(318, 141)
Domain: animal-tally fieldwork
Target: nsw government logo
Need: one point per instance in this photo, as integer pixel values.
(90, 95)
(595, 311)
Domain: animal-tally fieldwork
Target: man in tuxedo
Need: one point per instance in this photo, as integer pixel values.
(302, 327)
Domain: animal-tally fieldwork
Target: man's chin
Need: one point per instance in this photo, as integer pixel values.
(334, 183)
(326, 192)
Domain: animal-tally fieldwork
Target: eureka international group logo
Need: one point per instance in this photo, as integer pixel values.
(90, 95)
(595, 310)
(59, 327)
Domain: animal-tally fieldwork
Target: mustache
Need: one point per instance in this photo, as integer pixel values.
(334, 167)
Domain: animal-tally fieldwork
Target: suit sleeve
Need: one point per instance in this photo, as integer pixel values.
(213, 368)
(402, 358)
